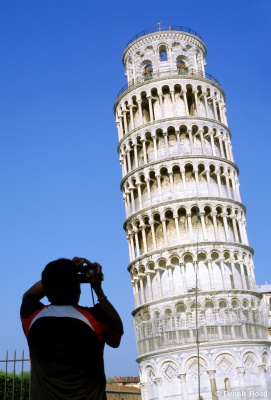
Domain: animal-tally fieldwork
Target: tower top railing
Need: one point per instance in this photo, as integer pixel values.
(163, 28)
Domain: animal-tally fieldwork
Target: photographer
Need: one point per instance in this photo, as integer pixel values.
(65, 340)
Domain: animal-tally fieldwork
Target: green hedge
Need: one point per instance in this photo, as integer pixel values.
(17, 386)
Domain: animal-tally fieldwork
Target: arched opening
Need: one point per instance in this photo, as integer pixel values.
(148, 71)
(181, 66)
(163, 52)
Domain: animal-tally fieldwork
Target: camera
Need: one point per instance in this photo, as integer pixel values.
(86, 272)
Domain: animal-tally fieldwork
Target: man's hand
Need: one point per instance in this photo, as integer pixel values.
(96, 272)
(104, 303)
(78, 261)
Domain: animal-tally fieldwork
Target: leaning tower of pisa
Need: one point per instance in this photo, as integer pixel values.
(200, 325)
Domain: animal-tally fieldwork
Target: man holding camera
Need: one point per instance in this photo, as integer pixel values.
(65, 340)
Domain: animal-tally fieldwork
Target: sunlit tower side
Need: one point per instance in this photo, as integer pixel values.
(199, 321)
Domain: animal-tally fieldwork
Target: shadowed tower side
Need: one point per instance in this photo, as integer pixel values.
(199, 321)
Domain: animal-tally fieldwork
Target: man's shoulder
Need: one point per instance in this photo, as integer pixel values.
(94, 312)
(30, 304)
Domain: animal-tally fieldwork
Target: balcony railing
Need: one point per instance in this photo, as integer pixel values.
(189, 73)
(163, 28)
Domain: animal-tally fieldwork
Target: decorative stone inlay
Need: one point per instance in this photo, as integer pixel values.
(169, 371)
(249, 362)
(194, 365)
(224, 364)
(150, 375)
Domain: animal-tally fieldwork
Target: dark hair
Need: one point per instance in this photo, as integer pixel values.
(60, 282)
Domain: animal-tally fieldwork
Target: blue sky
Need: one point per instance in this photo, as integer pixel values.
(60, 72)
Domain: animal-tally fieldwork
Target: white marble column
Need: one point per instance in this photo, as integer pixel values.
(176, 220)
(213, 214)
(136, 293)
(141, 283)
(185, 102)
(190, 226)
(144, 151)
(154, 146)
(144, 390)
(240, 373)
(145, 246)
(214, 106)
(191, 140)
(182, 378)
(203, 225)
(226, 227)
(161, 105)
(153, 234)
(136, 155)
(164, 231)
(211, 374)
(157, 271)
(149, 285)
(202, 141)
(159, 384)
(150, 108)
(139, 102)
(166, 143)
(124, 112)
(131, 106)
(173, 102)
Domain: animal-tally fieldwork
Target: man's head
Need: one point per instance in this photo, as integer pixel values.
(60, 282)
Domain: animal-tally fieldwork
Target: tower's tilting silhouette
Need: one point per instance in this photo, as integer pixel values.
(199, 322)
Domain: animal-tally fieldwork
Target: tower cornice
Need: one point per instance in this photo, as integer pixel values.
(187, 247)
(161, 122)
(175, 158)
(129, 88)
(188, 201)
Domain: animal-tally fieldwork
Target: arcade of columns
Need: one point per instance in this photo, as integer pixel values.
(200, 323)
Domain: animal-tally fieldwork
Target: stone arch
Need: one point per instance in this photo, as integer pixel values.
(179, 100)
(202, 179)
(192, 366)
(217, 269)
(165, 180)
(148, 232)
(158, 230)
(183, 225)
(149, 376)
(204, 279)
(169, 371)
(170, 227)
(153, 185)
(209, 225)
(250, 361)
(189, 270)
(196, 224)
(185, 147)
(177, 178)
(209, 312)
(225, 365)
(207, 140)
(213, 180)
(200, 101)
(163, 51)
(265, 357)
(167, 102)
(172, 141)
(191, 101)
(145, 107)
